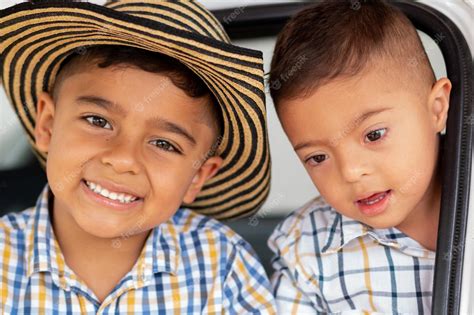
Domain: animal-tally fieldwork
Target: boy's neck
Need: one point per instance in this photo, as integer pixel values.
(96, 261)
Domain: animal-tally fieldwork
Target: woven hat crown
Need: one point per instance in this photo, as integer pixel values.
(185, 15)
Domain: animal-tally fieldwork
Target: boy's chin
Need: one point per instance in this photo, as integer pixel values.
(115, 237)
(101, 231)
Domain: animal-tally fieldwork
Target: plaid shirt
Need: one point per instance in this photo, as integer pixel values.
(190, 264)
(328, 263)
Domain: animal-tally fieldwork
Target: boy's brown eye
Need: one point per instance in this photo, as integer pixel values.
(375, 135)
(98, 121)
(164, 145)
(317, 159)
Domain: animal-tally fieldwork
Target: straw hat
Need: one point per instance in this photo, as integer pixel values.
(36, 38)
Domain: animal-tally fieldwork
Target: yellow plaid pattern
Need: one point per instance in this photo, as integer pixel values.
(190, 264)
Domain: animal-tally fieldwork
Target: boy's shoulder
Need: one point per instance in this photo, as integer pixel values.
(15, 222)
(204, 241)
(317, 209)
(313, 215)
(15, 230)
(190, 224)
(315, 223)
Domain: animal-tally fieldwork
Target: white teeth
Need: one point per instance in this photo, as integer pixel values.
(121, 197)
(104, 192)
(371, 202)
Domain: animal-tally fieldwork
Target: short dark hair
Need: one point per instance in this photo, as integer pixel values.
(339, 39)
(105, 56)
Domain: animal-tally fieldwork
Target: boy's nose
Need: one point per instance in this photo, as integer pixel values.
(353, 166)
(122, 156)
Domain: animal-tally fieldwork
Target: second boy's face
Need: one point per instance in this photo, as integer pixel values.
(133, 133)
(370, 144)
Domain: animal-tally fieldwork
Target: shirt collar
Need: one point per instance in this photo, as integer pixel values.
(342, 230)
(160, 253)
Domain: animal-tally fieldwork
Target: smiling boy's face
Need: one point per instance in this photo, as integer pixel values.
(133, 133)
(370, 144)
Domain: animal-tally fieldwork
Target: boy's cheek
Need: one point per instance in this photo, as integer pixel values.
(332, 191)
(62, 171)
(66, 160)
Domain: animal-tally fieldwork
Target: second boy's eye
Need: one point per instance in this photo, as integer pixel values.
(98, 121)
(375, 135)
(317, 159)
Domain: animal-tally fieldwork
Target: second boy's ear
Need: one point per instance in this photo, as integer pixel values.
(207, 170)
(44, 121)
(438, 103)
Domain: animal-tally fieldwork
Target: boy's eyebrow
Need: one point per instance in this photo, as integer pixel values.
(171, 127)
(359, 120)
(101, 102)
(154, 121)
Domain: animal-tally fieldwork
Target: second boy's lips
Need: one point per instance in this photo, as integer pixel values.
(114, 187)
(370, 194)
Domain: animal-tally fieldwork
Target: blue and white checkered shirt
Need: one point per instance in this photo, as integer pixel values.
(190, 264)
(328, 263)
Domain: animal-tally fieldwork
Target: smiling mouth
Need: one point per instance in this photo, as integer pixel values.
(121, 197)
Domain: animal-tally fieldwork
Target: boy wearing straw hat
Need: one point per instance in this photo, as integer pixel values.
(135, 109)
(364, 115)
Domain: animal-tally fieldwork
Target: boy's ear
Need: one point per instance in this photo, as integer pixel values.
(207, 170)
(438, 103)
(44, 121)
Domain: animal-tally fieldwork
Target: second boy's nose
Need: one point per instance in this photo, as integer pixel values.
(352, 165)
